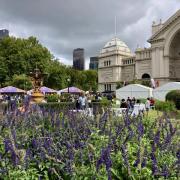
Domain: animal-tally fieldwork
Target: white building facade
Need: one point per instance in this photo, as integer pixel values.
(160, 62)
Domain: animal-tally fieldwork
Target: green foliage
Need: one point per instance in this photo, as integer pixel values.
(91, 80)
(65, 97)
(165, 106)
(100, 106)
(146, 83)
(20, 56)
(105, 102)
(52, 98)
(3, 71)
(174, 96)
(57, 75)
(22, 81)
(57, 105)
(29, 174)
(86, 80)
(62, 145)
(143, 100)
(119, 85)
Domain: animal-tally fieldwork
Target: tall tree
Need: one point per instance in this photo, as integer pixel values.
(21, 56)
(3, 72)
(22, 81)
(57, 75)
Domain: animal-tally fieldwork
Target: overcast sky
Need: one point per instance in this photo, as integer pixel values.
(63, 25)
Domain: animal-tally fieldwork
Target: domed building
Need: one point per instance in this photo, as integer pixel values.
(160, 63)
(112, 60)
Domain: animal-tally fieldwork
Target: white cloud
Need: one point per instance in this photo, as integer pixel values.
(63, 25)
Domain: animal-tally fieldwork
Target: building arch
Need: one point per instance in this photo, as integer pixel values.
(170, 36)
(146, 76)
(171, 52)
(174, 57)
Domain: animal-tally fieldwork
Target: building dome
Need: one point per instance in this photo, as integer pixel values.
(115, 44)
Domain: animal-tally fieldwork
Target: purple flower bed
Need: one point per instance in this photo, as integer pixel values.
(58, 144)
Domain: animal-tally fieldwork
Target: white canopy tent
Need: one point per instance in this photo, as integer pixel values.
(161, 92)
(134, 90)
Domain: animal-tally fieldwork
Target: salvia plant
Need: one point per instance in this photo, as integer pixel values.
(42, 143)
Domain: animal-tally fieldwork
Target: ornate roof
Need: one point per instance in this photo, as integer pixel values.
(115, 44)
(165, 25)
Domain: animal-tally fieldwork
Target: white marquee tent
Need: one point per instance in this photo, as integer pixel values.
(161, 92)
(134, 90)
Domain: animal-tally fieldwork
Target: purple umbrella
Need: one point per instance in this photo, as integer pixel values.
(11, 89)
(44, 90)
(47, 90)
(71, 90)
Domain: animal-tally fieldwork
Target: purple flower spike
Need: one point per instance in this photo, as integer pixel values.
(138, 159)
(34, 143)
(157, 137)
(144, 161)
(165, 171)
(140, 129)
(154, 164)
(124, 155)
(106, 160)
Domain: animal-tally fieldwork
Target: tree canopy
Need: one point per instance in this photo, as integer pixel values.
(19, 56)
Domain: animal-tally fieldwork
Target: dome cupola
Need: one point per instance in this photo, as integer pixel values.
(115, 44)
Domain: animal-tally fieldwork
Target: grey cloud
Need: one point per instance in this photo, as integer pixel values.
(62, 25)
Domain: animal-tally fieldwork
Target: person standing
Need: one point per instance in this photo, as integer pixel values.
(128, 103)
(148, 105)
(139, 109)
(152, 103)
(123, 104)
(83, 102)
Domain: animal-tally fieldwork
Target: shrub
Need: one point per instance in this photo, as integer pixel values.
(99, 106)
(167, 106)
(52, 98)
(65, 97)
(174, 96)
(143, 100)
(119, 85)
(146, 83)
(57, 105)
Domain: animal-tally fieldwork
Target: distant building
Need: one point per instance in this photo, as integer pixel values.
(4, 33)
(78, 59)
(160, 63)
(93, 63)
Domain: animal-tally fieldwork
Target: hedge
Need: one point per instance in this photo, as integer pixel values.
(52, 98)
(57, 105)
(174, 96)
(166, 106)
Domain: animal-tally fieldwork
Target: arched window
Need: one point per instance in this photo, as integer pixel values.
(146, 76)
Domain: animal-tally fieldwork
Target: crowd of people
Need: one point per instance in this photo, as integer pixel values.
(84, 100)
(5, 98)
(135, 106)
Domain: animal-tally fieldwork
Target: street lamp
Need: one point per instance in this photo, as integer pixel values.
(68, 80)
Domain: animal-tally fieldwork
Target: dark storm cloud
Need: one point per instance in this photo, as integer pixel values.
(63, 25)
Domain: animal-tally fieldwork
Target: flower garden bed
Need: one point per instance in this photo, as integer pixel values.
(54, 143)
